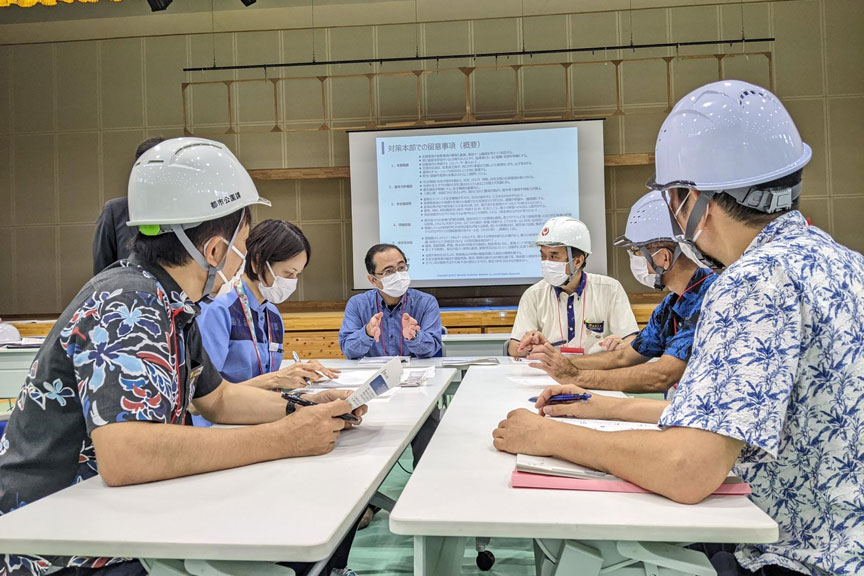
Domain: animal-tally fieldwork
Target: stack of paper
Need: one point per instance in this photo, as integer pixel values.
(413, 377)
(556, 467)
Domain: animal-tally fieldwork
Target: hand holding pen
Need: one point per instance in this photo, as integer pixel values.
(571, 401)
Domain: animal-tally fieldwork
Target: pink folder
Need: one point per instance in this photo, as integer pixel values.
(529, 480)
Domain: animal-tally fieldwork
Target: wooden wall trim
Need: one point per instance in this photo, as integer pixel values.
(344, 171)
(298, 323)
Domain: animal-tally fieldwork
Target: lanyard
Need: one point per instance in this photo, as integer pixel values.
(566, 338)
(250, 324)
(695, 284)
(401, 311)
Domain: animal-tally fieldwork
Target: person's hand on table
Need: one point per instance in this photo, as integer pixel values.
(323, 371)
(333, 395)
(612, 342)
(290, 377)
(313, 430)
(554, 363)
(373, 327)
(410, 327)
(531, 339)
(598, 407)
(524, 432)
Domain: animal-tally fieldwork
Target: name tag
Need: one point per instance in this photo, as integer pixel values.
(274, 347)
(595, 326)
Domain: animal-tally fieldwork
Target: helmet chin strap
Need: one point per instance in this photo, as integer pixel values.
(572, 266)
(659, 271)
(692, 222)
(199, 258)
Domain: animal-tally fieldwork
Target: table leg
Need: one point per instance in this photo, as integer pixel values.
(438, 555)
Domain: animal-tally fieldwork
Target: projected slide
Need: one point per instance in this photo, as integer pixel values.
(471, 205)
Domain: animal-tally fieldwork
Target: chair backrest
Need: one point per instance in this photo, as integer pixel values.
(506, 348)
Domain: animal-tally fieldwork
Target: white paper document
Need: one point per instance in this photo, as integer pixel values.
(413, 377)
(346, 379)
(558, 467)
(389, 376)
(607, 425)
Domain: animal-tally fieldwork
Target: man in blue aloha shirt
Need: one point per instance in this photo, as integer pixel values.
(109, 390)
(656, 261)
(774, 389)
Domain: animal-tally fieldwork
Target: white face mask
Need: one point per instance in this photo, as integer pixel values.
(227, 284)
(555, 273)
(687, 250)
(639, 268)
(281, 289)
(396, 284)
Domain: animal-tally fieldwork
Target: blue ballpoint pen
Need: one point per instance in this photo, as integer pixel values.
(564, 398)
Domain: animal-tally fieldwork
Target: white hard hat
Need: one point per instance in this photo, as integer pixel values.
(730, 136)
(565, 231)
(8, 333)
(649, 221)
(187, 181)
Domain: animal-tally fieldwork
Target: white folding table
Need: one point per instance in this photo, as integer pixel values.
(615, 533)
(287, 510)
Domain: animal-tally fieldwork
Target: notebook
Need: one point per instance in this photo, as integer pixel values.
(556, 474)
(733, 486)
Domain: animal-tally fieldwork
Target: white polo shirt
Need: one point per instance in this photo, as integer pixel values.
(596, 309)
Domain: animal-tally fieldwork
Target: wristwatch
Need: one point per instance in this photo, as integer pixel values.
(290, 407)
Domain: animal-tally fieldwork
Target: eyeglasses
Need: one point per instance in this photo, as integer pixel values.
(390, 271)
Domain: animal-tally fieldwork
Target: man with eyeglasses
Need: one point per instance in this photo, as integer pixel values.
(656, 261)
(392, 320)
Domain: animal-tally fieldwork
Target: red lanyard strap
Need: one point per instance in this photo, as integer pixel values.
(694, 285)
(401, 311)
(250, 324)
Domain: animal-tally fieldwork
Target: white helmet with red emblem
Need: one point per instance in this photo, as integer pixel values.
(565, 231)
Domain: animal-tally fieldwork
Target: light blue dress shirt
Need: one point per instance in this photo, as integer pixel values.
(355, 343)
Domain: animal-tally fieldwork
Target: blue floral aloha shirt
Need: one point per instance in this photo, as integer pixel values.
(113, 356)
(778, 363)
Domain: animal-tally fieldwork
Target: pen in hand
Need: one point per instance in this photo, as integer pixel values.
(563, 398)
(293, 397)
(297, 360)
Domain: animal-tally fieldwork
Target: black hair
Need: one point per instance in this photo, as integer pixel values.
(146, 145)
(749, 216)
(377, 249)
(655, 245)
(274, 241)
(576, 253)
(166, 249)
